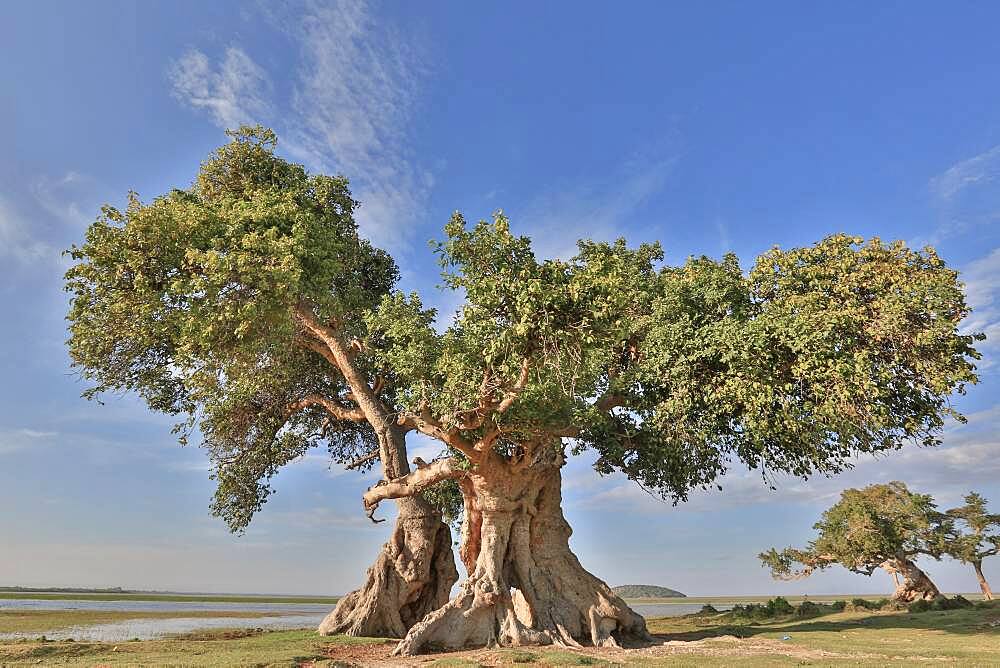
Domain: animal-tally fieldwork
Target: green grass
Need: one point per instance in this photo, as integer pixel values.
(731, 600)
(42, 621)
(967, 637)
(182, 598)
(278, 648)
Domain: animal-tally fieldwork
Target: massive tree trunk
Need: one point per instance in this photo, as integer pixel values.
(983, 584)
(914, 585)
(525, 585)
(414, 572)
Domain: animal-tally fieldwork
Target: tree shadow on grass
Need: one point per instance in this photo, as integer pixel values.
(975, 620)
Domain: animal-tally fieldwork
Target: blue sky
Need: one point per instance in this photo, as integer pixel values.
(712, 128)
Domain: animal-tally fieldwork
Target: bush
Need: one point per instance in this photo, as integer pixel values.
(862, 604)
(808, 609)
(882, 604)
(838, 606)
(919, 606)
(777, 606)
(957, 603)
(708, 609)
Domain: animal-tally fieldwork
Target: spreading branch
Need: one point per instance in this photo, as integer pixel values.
(336, 409)
(412, 483)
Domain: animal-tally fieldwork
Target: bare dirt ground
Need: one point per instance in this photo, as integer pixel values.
(717, 647)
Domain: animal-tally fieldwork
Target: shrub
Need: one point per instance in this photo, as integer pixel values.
(838, 606)
(779, 605)
(708, 609)
(808, 609)
(919, 606)
(861, 604)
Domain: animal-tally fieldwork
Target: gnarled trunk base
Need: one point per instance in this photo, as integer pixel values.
(526, 586)
(914, 585)
(412, 576)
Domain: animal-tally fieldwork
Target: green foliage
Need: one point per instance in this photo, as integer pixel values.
(977, 533)
(919, 606)
(816, 355)
(808, 609)
(188, 301)
(708, 609)
(864, 529)
(668, 373)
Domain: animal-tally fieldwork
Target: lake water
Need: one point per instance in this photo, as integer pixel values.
(280, 616)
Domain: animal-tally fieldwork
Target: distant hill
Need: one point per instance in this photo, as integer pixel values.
(646, 591)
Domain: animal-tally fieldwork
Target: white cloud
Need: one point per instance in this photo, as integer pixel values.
(17, 243)
(358, 86)
(14, 440)
(981, 169)
(982, 289)
(965, 196)
(355, 85)
(558, 219)
(234, 93)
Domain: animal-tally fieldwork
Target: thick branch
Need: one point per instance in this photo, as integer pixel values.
(427, 425)
(333, 407)
(413, 483)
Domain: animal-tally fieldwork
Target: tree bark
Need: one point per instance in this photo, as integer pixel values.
(525, 585)
(414, 572)
(914, 586)
(983, 584)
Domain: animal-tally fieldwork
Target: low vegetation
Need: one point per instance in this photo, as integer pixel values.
(769, 633)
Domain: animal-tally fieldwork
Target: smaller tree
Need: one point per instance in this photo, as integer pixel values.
(881, 526)
(980, 539)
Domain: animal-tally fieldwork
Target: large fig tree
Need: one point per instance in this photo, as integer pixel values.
(976, 536)
(881, 526)
(667, 374)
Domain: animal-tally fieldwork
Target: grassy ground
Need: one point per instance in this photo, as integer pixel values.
(969, 637)
(41, 621)
(729, 600)
(182, 598)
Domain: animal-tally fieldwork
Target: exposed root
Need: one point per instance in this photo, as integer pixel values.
(411, 577)
(526, 586)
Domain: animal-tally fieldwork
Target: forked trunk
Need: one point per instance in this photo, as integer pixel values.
(525, 586)
(983, 584)
(914, 585)
(413, 574)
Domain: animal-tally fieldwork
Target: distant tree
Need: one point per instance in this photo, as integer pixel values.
(249, 304)
(980, 538)
(880, 526)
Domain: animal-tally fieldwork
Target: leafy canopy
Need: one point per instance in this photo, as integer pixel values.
(866, 528)
(669, 373)
(195, 301)
(188, 301)
(977, 534)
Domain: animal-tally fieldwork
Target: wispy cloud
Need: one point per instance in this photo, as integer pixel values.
(355, 87)
(596, 211)
(982, 289)
(965, 196)
(17, 242)
(14, 440)
(981, 169)
(234, 92)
